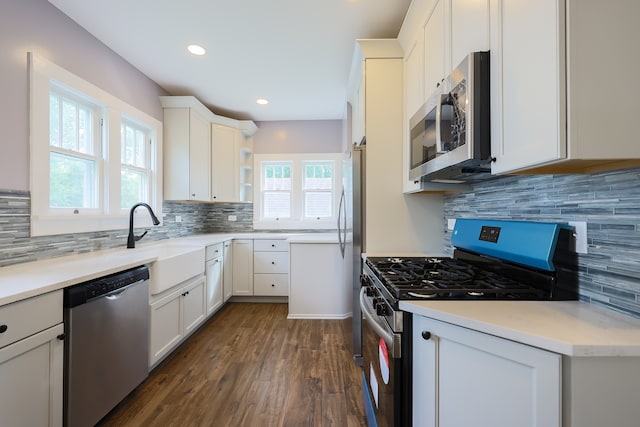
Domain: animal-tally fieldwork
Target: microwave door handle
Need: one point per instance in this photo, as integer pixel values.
(441, 100)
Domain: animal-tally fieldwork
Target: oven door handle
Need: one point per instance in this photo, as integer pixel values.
(383, 331)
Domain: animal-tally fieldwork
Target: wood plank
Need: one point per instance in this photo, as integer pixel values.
(251, 366)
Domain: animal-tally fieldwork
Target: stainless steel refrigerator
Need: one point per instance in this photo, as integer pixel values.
(351, 221)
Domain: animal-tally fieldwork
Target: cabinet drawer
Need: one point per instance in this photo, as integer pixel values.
(271, 262)
(270, 245)
(29, 316)
(213, 251)
(271, 284)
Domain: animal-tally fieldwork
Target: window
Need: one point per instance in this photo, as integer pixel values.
(317, 189)
(75, 155)
(276, 195)
(135, 164)
(92, 155)
(296, 191)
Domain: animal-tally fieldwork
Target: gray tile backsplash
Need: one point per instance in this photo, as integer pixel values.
(609, 274)
(16, 245)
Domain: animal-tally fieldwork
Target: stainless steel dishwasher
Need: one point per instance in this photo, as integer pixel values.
(106, 343)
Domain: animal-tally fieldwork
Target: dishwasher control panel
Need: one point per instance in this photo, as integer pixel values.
(83, 292)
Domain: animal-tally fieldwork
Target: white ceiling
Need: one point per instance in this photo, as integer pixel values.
(295, 53)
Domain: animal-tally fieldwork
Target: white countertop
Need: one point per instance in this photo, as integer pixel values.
(26, 280)
(572, 328)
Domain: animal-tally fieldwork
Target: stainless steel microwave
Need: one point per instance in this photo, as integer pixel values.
(450, 134)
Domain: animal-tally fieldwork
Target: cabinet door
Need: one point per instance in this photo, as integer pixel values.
(193, 301)
(225, 160)
(243, 267)
(31, 375)
(358, 113)
(435, 49)
(166, 325)
(199, 157)
(457, 365)
(214, 285)
(271, 284)
(527, 84)
(414, 98)
(469, 28)
(227, 270)
(271, 262)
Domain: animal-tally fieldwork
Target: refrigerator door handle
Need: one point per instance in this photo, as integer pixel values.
(342, 239)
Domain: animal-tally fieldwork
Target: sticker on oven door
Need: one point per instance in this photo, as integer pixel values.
(384, 361)
(373, 383)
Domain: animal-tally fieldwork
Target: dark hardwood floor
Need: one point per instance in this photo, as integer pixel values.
(251, 366)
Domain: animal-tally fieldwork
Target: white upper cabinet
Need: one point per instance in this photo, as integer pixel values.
(225, 164)
(469, 28)
(436, 57)
(435, 37)
(414, 98)
(562, 96)
(186, 155)
(452, 30)
(206, 157)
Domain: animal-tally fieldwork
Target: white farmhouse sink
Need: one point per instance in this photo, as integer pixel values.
(176, 262)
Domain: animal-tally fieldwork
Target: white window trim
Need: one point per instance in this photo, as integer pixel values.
(43, 222)
(296, 222)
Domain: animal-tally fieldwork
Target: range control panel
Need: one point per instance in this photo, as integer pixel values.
(490, 234)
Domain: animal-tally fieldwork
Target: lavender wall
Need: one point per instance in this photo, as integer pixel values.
(37, 26)
(301, 136)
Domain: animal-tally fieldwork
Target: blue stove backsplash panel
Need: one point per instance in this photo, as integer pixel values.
(528, 243)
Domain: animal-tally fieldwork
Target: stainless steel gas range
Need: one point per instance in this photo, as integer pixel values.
(503, 260)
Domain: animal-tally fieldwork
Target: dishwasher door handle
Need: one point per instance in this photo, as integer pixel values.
(116, 295)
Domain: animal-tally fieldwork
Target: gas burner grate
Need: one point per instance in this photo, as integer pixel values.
(447, 278)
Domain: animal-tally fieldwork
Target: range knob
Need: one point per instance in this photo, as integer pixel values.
(380, 307)
(369, 291)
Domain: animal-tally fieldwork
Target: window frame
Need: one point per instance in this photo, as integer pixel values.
(44, 74)
(297, 220)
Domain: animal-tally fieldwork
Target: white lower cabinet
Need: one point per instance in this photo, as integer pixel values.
(214, 274)
(271, 267)
(174, 315)
(316, 266)
(270, 284)
(227, 269)
(31, 362)
(463, 377)
(242, 267)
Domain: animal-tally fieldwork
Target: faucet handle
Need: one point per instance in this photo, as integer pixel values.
(141, 236)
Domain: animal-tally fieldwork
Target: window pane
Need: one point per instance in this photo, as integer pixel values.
(140, 148)
(54, 120)
(69, 125)
(133, 188)
(133, 148)
(317, 204)
(277, 178)
(84, 131)
(318, 177)
(72, 182)
(277, 205)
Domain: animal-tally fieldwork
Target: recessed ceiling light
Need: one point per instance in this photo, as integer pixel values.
(196, 49)
(262, 101)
